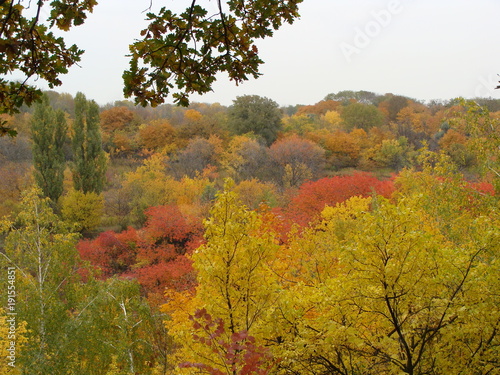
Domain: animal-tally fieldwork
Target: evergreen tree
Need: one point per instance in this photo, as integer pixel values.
(89, 164)
(48, 128)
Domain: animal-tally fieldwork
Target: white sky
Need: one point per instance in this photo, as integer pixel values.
(425, 49)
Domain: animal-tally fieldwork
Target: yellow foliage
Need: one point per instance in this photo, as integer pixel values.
(295, 175)
(82, 209)
(192, 115)
(179, 306)
(348, 210)
(231, 158)
(452, 137)
(217, 143)
(14, 177)
(12, 340)
(150, 185)
(157, 134)
(235, 282)
(341, 142)
(418, 118)
(253, 192)
(377, 286)
(233, 264)
(333, 119)
(298, 123)
(372, 281)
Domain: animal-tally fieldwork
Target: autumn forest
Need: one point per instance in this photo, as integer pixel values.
(357, 235)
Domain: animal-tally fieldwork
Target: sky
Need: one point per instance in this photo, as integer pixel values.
(423, 49)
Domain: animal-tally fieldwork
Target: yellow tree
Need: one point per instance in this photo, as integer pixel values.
(118, 125)
(333, 119)
(299, 124)
(403, 287)
(236, 283)
(84, 210)
(232, 158)
(232, 267)
(244, 158)
(411, 290)
(305, 334)
(253, 193)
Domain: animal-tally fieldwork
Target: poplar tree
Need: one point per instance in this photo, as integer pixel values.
(89, 159)
(48, 128)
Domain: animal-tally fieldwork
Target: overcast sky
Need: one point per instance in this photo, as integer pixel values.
(425, 49)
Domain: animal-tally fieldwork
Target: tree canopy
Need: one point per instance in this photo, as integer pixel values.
(182, 52)
(255, 114)
(28, 46)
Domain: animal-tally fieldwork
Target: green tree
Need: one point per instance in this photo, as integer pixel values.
(362, 116)
(41, 248)
(348, 96)
(391, 153)
(48, 130)
(67, 321)
(255, 114)
(89, 159)
(118, 330)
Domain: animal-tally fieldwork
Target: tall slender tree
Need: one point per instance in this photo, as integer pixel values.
(48, 128)
(89, 164)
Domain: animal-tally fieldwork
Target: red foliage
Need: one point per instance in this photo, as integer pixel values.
(175, 274)
(239, 352)
(113, 253)
(314, 196)
(475, 191)
(167, 225)
(483, 187)
(155, 254)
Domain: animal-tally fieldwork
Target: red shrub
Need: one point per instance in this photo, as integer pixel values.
(314, 196)
(155, 254)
